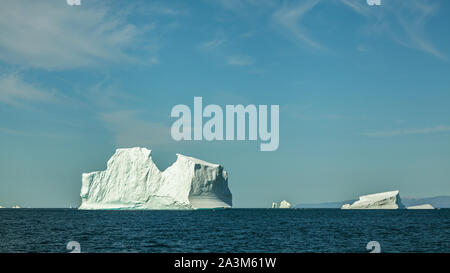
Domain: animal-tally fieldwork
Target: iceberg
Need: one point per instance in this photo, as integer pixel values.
(285, 205)
(2, 207)
(384, 200)
(424, 206)
(16, 207)
(133, 181)
(274, 205)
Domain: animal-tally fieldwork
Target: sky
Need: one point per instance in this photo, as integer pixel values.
(363, 91)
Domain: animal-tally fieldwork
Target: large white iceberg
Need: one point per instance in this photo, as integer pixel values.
(133, 181)
(384, 200)
(424, 206)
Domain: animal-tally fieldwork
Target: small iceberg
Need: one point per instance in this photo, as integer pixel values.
(383, 200)
(285, 205)
(424, 206)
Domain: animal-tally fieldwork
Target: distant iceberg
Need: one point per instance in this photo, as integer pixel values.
(384, 200)
(133, 181)
(16, 207)
(285, 205)
(424, 206)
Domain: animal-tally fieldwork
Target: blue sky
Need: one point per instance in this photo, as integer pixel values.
(364, 93)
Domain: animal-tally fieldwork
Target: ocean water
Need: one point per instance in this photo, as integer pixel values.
(234, 230)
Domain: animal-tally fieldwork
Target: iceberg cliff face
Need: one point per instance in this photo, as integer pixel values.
(133, 181)
(384, 200)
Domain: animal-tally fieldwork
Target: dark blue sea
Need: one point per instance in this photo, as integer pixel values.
(233, 230)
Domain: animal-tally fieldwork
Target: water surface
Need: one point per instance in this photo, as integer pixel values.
(234, 230)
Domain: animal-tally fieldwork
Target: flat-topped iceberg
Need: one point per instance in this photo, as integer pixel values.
(424, 206)
(133, 181)
(384, 200)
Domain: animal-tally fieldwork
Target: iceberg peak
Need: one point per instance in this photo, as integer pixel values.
(196, 161)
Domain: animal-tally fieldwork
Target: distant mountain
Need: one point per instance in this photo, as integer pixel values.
(327, 205)
(437, 202)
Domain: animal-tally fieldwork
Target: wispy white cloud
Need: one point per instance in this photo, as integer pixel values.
(362, 48)
(131, 130)
(360, 7)
(412, 18)
(401, 132)
(414, 23)
(40, 134)
(404, 21)
(297, 112)
(243, 5)
(214, 43)
(163, 10)
(247, 34)
(241, 60)
(289, 17)
(107, 95)
(15, 91)
(54, 35)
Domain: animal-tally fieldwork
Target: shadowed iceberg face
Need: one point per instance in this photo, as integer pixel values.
(133, 181)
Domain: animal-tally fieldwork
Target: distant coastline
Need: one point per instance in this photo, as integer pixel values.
(436, 201)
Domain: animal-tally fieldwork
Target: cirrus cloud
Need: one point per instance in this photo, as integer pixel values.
(240, 60)
(15, 91)
(415, 131)
(53, 35)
